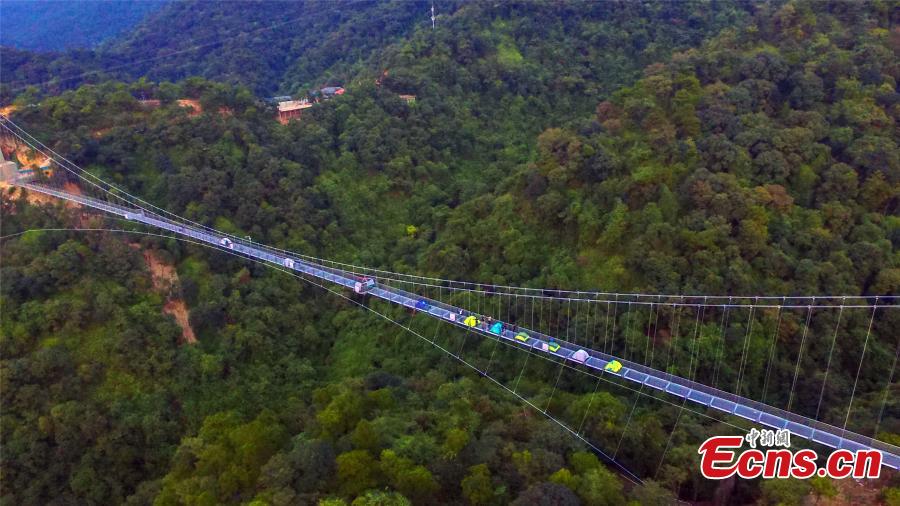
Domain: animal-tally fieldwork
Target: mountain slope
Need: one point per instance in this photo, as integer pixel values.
(563, 146)
(286, 47)
(57, 26)
(252, 45)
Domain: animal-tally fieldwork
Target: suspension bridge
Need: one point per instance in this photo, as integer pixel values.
(581, 350)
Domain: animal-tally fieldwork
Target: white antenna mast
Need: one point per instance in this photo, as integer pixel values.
(432, 15)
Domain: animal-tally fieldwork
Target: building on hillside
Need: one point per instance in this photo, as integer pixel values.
(331, 91)
(186, 103)
(326, 93)
(12, 172)
(409, 99)
(279, 99)
(9, 171)
(150, 103)
(291, 109)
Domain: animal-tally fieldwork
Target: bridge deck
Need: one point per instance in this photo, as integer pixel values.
(729, 403)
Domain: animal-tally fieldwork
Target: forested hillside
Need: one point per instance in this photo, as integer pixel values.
(752, 164)
(255, 44)
(667, 147)
(56, 26)
(287, 47)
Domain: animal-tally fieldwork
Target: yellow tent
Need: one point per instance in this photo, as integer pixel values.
(470, 321)
(613, 366)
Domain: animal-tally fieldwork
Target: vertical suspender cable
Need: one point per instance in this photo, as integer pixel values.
(859, 369)
(828, 364)
(799, 357)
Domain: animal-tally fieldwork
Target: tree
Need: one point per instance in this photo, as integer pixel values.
(598, 486)
(823, 487)
(341, 414)
(892, 496)
(366, 437)
(784, 492)
(305, 468)
(477, 486)
(887, 282)
(565, 478)
(547, 494)
(583, 462)
(224, 460)
(413, 481)
(455, 440)
(876, 192)
(357, 471)
(378, 498)
(838, 183)
(652, 493)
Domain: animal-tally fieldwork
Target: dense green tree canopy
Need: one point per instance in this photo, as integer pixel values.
(683, 147)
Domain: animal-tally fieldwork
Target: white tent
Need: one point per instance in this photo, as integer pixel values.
(580, 356)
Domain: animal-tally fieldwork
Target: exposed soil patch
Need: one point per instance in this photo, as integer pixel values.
(163, 275)
(195, 109)
(9, 192)
(194, 106)
(165, 278)
(26, 156)
(178, 309)
(72, 188)
(14, 193)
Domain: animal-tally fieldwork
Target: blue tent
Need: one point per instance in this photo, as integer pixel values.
(422, 305)
(497, 328)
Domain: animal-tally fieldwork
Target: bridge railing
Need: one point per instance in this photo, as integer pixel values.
(736, 405)
(727, 402)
